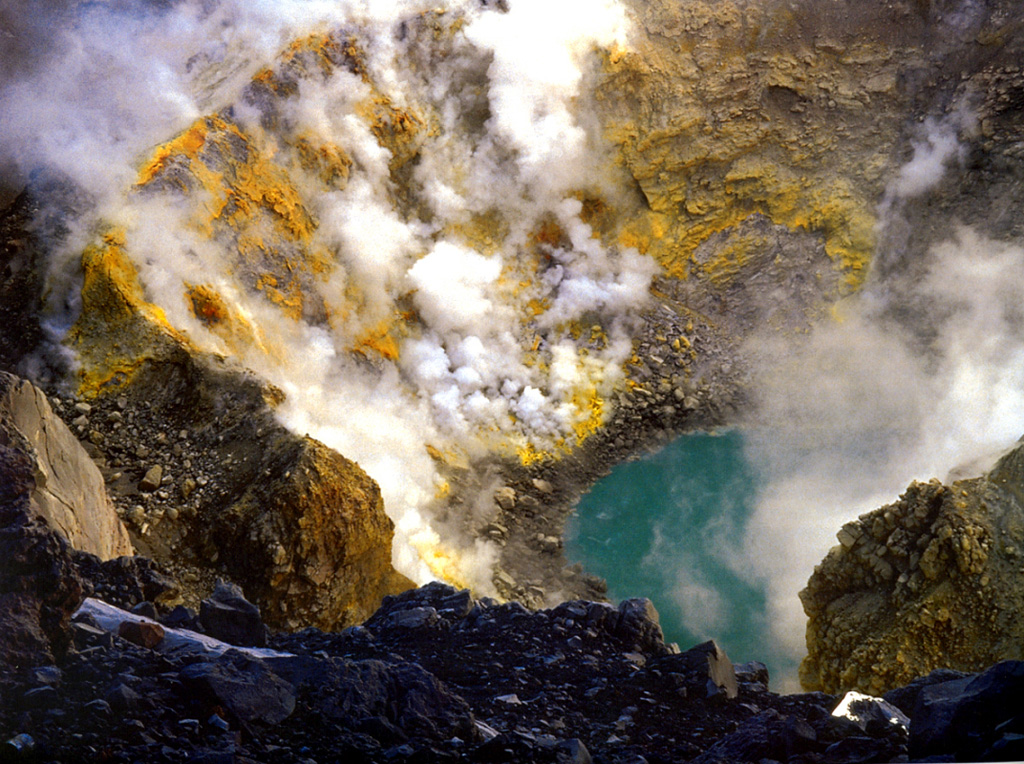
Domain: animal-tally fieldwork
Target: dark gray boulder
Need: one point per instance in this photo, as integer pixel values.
(244, 686)
(970, 715)
(705, 670)
(228, 616)
(640, 626)
(905, 698)
(384, 700)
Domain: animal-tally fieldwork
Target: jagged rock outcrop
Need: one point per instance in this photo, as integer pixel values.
(311, 545)
(929, 582)
(300, 528)
(68, 489)
(763, 139)
(193, 458)
(39, 586)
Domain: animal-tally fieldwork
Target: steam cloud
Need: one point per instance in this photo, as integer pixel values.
(851, 416)
(109, 81)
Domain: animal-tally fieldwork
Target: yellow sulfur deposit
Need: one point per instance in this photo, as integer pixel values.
(118, 330)
(381, 339)
(243, 199)
(719, 114)
(217, 315)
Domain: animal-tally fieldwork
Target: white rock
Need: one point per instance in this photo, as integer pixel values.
(110, 618)
(861, 709)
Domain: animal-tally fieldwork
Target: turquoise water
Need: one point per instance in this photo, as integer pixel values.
(670, 527)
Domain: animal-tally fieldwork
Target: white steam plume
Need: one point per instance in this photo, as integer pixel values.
(850, 417)
(932, 154)
(488, 363)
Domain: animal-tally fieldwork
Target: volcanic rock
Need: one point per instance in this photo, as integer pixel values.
(928, 582)
(438, 689)
(227, 615)
(639, 624)
(865, 711)
(128, 582)
(69, 491)
(151, 480)
(948, 716)
(39, 585)
(706, 668)
(244, 686)
(757, 141)
(143, 387)
(295, 524)
(311, 545)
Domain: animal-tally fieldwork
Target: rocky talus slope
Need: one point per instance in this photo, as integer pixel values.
(930, 581)
(432, 676)
(202, 475)
(99, 662)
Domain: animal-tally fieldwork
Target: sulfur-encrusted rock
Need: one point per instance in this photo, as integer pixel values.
(721, 127)
(298, 526)
(929, 582)
(312, 544)
(68, 491)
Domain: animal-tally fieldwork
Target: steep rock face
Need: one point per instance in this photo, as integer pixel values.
(312, 544)
(69, 491)
(719, 113)
(931, 581)
(185, 441)
(764, 142)
(39, 587)
(118, 331)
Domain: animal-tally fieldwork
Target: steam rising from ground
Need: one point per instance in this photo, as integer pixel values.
(851, 416)
(516, 337)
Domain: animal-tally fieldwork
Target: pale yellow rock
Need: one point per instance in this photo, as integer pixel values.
(726, 109)
(934, 594)
(69, 492)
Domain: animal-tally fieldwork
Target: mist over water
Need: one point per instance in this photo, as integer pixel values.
(668, 526)
(920, 376)
(857, 413)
